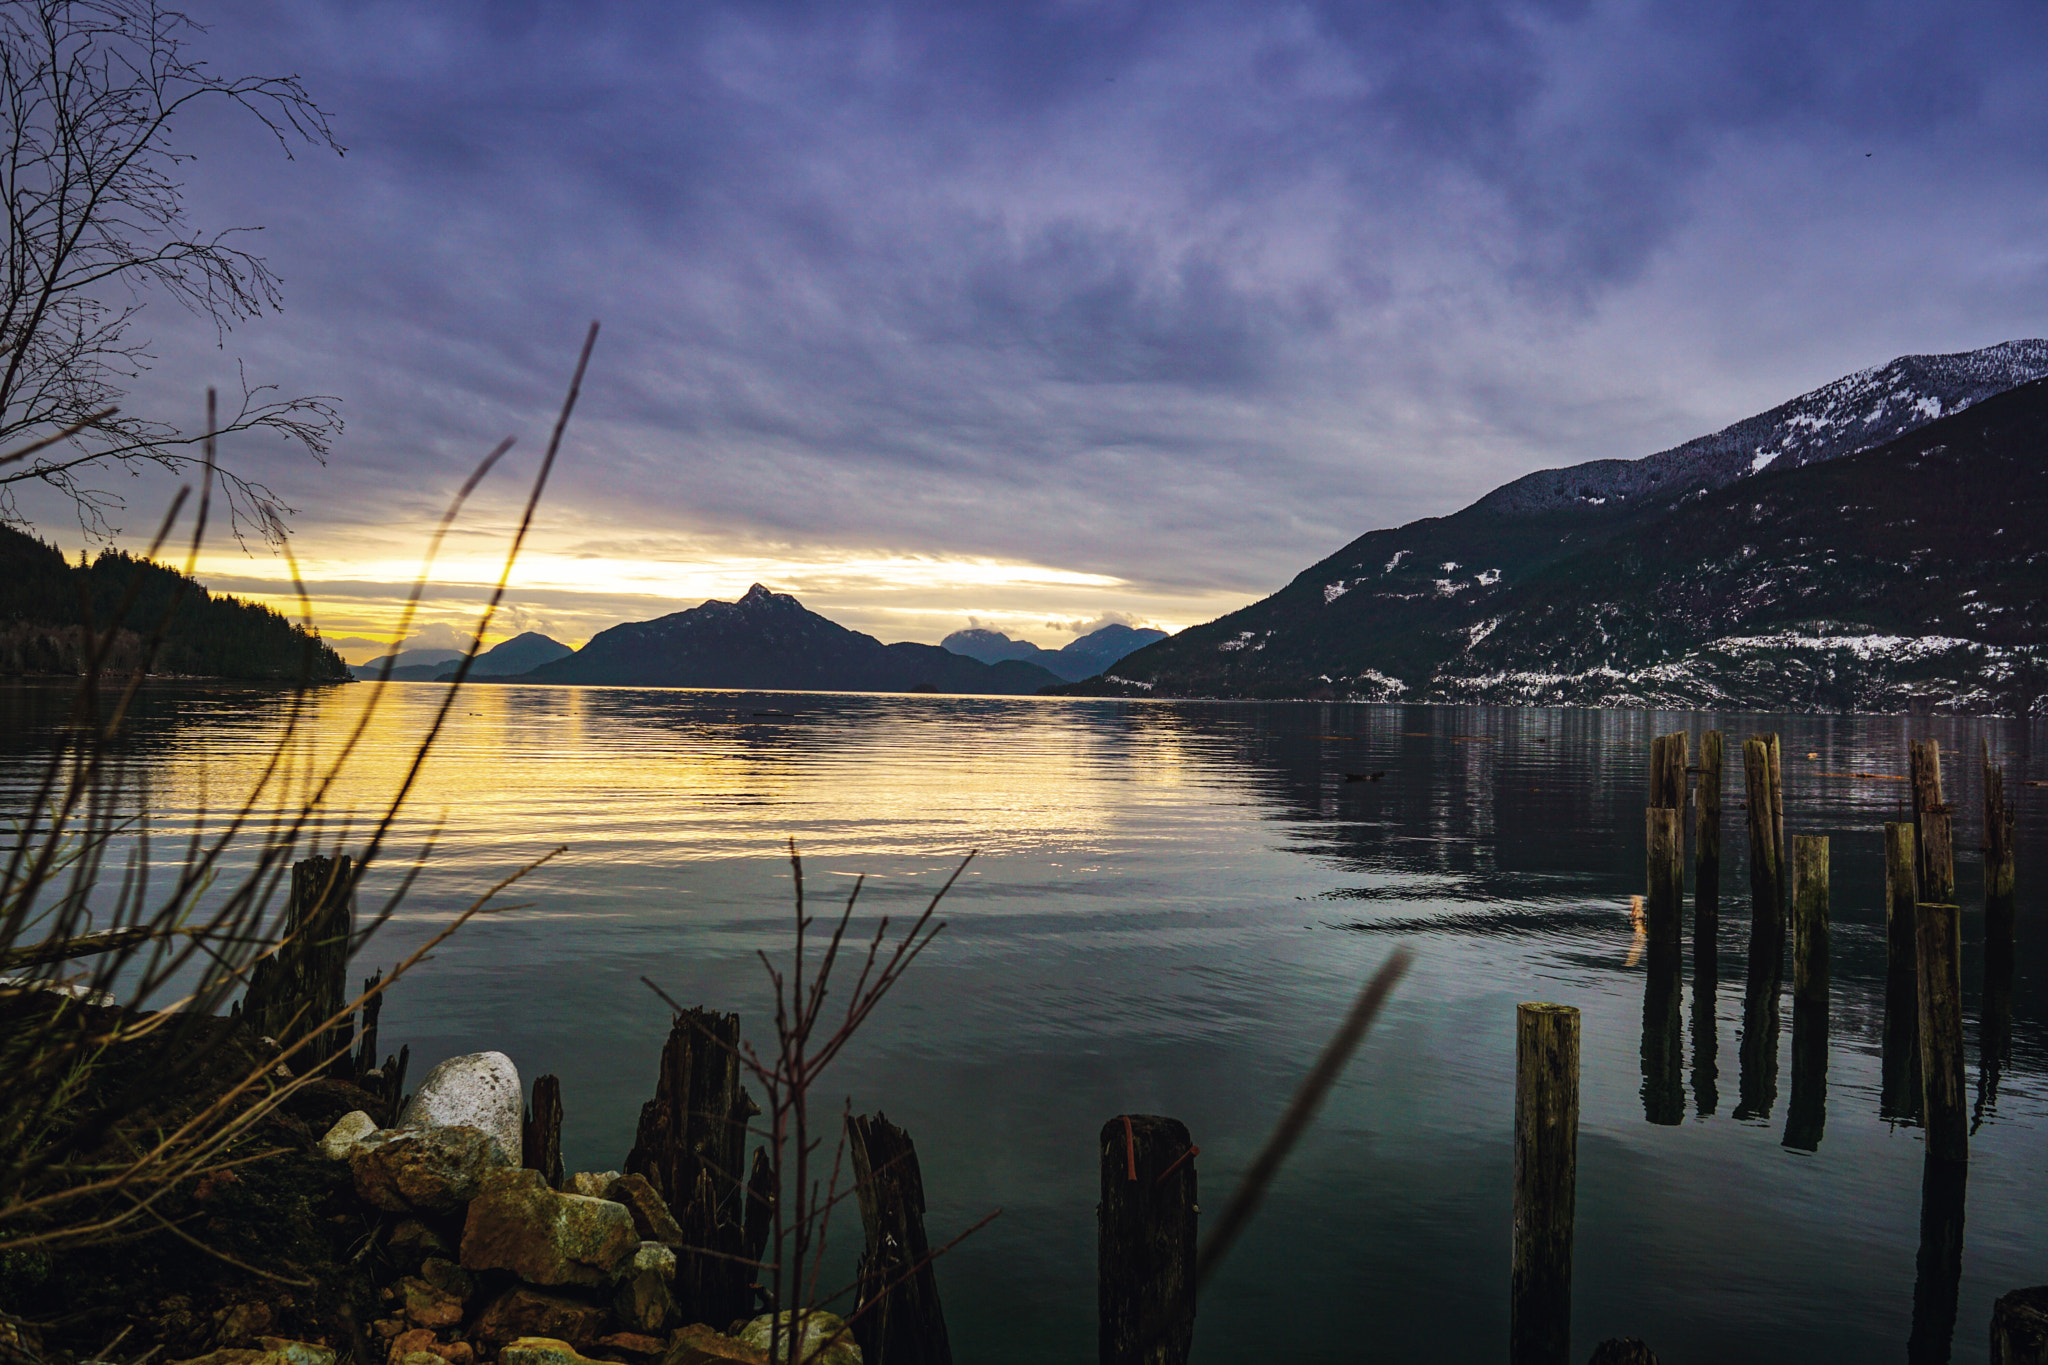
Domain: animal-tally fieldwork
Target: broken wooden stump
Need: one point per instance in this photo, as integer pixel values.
(691, 1147)
(302, 984)
(898, 1319)
(541, 1139)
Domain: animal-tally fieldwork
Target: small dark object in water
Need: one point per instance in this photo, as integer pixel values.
(1364, 777)
(1623, 1351)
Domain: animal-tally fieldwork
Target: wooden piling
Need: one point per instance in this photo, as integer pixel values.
(1664, 858)
(1145, 1242)
(1546, 1182)
(1757, 1050)
(1667, 770)
(905, 1325)
(1943, 1102)
(1766, 853)
(1707, 834)
(1901, 894)
(541, 1140)
(1933, 840)
(1936, 842)
(296, 989)
(1998, 855)
(1706, 1030)
(1810, 919)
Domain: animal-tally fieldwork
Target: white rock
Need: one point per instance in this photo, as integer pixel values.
(595, 1184)
(347, 1131)
(477, 1090)
(653, 1256)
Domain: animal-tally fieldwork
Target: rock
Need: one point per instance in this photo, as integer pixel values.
(274, 1351)
(426, 1306)
(477, 1090)
(347, 1131)
(2019, 1328)
(643, 1302)
(517, 1223)
(819, 1327)
(522, 1311)
(323, 1100)
(413, 1242)
(436, 1169)
(416, 1358)
(633, 1344)
(650, 1211)
(699, 1345)
(596, 1184)
(453, 1352)
(386, 1328)
(541, 1351)
(448, 1277)
(658, 1258)
(410, 1343)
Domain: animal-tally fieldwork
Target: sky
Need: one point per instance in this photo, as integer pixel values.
(1036, 316)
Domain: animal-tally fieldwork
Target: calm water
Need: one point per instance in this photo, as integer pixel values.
(1171, 907)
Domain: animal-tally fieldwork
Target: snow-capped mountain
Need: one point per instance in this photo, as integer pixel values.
(1881, 542)
(1857, 412)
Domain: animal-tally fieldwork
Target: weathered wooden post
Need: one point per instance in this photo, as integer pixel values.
(541, 1140)
(1145, 1242)
(1546, 1183)
(1667, 770)
(690, 1145)
(1998, 855)
(295, 990)
(1943, 1103)
(1766, 853)
(1901, 894)
(1707, 838)
(1938, 1265)
(2019, 1327)
(1810, 919)
(1933, 836)
(1899, 1093)
(905, 1326)
(1664, 858)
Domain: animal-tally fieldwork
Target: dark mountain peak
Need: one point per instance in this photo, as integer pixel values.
(758, 596)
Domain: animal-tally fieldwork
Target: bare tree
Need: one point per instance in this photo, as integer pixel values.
(89, 90)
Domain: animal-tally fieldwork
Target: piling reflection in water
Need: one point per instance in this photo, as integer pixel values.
(1938, 1268)
(1757, 1091)
(1807, 1113)
(1994, 1032)
(1899, 1094)
(1663, 1079)
(1706, 1036)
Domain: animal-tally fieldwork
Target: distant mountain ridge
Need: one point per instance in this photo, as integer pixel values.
(1082, 658)
(768, 641)
(1443, 609)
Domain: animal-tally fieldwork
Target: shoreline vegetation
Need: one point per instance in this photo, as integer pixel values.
(142, 616)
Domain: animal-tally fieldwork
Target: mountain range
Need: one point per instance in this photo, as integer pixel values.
(768, 641)
(1083, 658)
(527, 650)
(1876, 544)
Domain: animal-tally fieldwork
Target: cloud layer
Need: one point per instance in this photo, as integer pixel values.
(1066, 310)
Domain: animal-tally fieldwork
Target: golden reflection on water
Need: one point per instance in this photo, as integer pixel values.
(698, 774)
